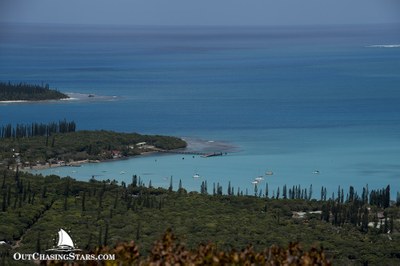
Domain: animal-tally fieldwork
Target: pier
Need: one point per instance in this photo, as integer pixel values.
(202, 154)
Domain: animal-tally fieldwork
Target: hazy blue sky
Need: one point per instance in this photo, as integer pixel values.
(201, 12)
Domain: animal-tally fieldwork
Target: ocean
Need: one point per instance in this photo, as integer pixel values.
(291, 100)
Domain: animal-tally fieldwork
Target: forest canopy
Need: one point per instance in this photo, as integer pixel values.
(39, 143)
(28, 92)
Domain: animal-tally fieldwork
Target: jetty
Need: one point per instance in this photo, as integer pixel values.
(212, 154)
(202, 154)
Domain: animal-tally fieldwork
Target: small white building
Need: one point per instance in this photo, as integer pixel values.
(141, 144)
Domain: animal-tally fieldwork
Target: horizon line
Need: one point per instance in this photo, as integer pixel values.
(24, 23)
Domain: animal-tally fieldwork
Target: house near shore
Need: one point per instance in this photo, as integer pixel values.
(140, 144)
(116, 154)
(144, 145)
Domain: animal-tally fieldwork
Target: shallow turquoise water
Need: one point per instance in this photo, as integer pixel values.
(292, 154)
(286, 99)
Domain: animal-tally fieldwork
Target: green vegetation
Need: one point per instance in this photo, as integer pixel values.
(351, 229)
(28, 92)
(65, 148)
(34, 208)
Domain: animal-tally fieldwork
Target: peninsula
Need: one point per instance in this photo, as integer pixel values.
(41, 146)
(29, 92)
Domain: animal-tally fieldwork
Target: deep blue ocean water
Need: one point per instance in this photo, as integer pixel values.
(290, 100)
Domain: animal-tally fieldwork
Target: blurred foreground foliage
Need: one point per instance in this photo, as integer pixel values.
(169, 251)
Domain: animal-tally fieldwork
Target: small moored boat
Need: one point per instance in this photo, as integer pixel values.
(259, 179)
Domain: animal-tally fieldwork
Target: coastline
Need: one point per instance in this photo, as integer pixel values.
(72, 96)
(82, 162)
(193, 145)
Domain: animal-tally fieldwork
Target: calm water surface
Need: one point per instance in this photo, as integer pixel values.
(284, 99)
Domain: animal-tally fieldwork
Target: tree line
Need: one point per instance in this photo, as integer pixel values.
(36, 129)
(28, 92)
(378, 197)
(349, 208)
(339, 210)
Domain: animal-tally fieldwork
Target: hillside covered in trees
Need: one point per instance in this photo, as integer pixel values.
(105, 213)
(28, 92)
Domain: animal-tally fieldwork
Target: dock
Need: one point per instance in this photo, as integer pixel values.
(212, 154)
(201, 154)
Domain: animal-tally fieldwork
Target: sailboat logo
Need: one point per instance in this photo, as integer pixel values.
(65, 243)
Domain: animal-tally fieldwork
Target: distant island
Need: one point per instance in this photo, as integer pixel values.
(28, 92)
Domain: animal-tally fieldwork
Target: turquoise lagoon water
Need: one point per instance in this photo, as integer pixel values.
(290, 100)
(292, 155)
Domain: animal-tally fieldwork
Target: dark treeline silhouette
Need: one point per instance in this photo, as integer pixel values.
(36, 129)
(379, 197)
(356, 210)
(28, 92)
(342, 209)
(338, 210)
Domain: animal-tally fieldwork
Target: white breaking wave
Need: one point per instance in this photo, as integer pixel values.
(384, 46)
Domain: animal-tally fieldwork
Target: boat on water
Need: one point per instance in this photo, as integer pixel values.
(255, 182)
(269, 173)
(196, 176)
(315, 172)
(259, 179)
(122, 172)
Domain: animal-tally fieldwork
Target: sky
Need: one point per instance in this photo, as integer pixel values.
(201, 12)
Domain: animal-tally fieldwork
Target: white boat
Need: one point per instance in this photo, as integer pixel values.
(122, 172)
(255, 182)
(315, 172)
(269, 173)
(259, 179)
(196, 176)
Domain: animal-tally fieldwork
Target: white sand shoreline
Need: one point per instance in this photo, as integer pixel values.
(193, 145)
(73, 96)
